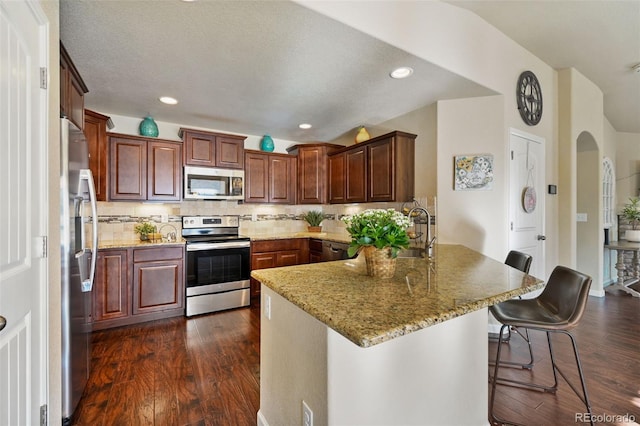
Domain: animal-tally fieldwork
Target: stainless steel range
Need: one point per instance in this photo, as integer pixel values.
(218, 264)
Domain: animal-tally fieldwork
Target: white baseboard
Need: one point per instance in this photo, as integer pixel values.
(261, 420)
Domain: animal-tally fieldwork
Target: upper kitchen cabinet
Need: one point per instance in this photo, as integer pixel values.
(313, 166)
(95, 130)
(72, 90)
(381, 169)
(208, 149)
(269, 177)
(348, 176)
(143, 169)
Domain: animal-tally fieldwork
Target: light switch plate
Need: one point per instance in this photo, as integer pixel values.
(581, 217)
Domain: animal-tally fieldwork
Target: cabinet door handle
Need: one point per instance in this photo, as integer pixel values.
(541, 238)
(3, 322)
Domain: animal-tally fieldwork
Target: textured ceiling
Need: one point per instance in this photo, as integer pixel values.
(601, 39)
(256, 67)
(249, 67)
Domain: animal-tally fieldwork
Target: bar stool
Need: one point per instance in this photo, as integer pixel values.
(557, 309)
(522, 262)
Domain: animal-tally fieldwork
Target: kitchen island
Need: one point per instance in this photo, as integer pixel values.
(360, 350)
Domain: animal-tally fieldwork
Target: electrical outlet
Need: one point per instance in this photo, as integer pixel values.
(307, 415)
(164, 218)
(581, 217)
(267, 306)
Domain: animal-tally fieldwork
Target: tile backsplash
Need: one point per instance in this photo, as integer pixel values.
(116, 220)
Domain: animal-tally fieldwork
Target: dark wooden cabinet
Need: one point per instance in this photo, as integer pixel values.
(274, 253)
(355, 165)
(164, 171)
(127, 168)
(381, 169)
(313, 166)
(337, 178)
(269, 177)
(315, 250)
(95, 130)
(158, 279)
(72, 90)
(348, 176)
(208, 149)
(143, 169)
(111, 291)
(391, 168)
(134, 285)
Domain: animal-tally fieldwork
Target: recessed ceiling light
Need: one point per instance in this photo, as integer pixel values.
(305, 126)
(402, 72)
(168, 100)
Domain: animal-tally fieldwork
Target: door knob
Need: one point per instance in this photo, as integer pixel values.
(3, 322)
(541, 238)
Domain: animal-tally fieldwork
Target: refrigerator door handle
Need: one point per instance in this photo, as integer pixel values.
(85, 174)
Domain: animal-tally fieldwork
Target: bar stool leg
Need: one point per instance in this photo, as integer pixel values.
(585, 396)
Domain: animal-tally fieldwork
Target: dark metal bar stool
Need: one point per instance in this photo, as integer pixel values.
(557, 309)
(521, 261)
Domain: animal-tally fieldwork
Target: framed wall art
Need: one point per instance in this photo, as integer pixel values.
(473, 172)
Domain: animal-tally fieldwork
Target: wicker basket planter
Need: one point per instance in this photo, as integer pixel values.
(379, 262)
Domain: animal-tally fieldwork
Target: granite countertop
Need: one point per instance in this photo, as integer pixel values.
(422, 293)
(329, 236)
(136, 243)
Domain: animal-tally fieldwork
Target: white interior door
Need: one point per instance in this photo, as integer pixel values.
(23, 151)
(526, 199)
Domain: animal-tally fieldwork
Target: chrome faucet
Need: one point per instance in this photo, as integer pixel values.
(428, 246)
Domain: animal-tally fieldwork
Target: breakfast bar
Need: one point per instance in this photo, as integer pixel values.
(353, 349)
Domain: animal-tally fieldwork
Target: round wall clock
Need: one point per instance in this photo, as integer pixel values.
(529, 97)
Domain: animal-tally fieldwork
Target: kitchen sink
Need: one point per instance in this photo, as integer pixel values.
(411, 252)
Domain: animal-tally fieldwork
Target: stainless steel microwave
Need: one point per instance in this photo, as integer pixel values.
(204, 183)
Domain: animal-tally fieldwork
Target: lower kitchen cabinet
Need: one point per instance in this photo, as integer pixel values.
(315, 250)
(111, 292)
(158, 279)
(274, 253)
(135, 285)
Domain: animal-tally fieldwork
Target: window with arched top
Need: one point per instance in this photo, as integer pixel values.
(608, 193)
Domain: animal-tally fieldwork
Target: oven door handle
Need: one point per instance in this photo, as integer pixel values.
(215, 246)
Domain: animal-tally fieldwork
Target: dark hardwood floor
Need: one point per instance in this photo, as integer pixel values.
(608, 340)
(205, 371)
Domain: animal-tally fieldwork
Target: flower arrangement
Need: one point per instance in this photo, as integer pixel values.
(378, 228)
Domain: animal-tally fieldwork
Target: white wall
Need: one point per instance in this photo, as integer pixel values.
(627, 160)
(54, 389)
(474, 218)
(421, 122)
(130, 126)
(582, 107)
(463, 43)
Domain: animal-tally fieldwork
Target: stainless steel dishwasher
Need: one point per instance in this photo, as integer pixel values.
(332, 250)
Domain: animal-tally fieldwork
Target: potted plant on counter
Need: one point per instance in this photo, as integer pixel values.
(631, 212)
(145, 229)
(314, 218)
(380, 234)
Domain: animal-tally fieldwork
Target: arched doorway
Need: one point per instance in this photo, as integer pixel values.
(589, 227)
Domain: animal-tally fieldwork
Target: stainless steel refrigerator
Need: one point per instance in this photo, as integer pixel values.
(78, 209)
